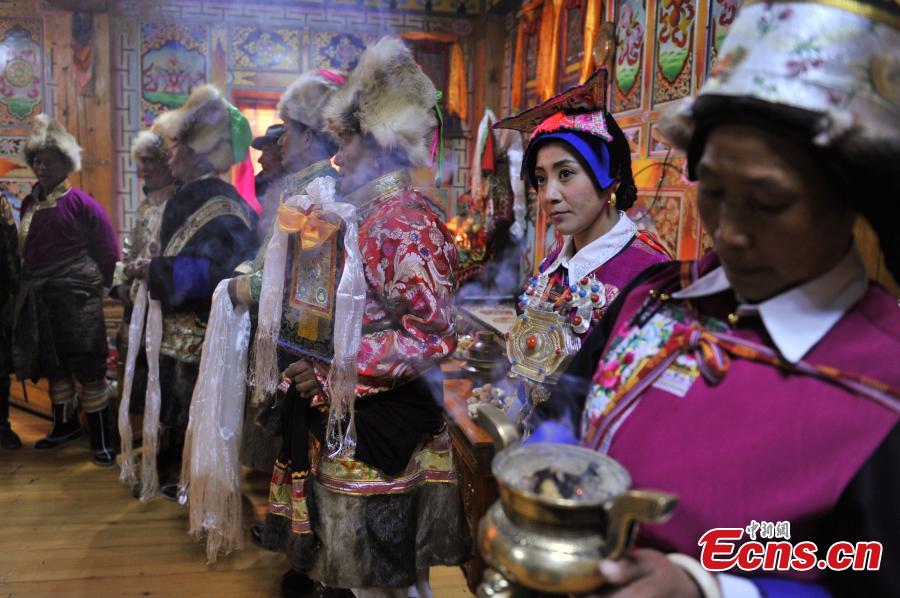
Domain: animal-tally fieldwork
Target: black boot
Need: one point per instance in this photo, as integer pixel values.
(256, 534)
(8, 438)
(296, 584)
(102, 448)
(66, 429)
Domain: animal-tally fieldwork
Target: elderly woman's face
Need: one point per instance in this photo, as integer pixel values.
(51, 168)
(775, 221)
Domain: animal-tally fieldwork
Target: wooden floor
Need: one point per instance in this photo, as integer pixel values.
(68, 527)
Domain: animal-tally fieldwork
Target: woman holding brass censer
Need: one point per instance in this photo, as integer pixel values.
(756, 383)
(579, 162)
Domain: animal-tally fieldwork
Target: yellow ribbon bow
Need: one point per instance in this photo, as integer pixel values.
(314, 227)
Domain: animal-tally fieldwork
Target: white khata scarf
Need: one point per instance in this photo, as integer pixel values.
(210, 470)
(349, 304)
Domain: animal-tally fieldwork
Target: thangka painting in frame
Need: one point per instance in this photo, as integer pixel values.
(631, 30)
(571, 38)
(674, 50)
(21, 70)
(721, 16)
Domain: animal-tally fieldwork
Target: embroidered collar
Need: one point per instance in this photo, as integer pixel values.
(52, 198)
(296, 181)
(798, 318)
(597, 252)
(384, 186)
(160, 196)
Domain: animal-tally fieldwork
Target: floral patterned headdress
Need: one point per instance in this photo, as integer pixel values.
(579, 108)
(837, 58)
(577, 117)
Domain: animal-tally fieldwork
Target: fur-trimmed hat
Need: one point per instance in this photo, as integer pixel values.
(47, 133)
(153, 144)
(306, 97)
(388, 97)
(211, 127)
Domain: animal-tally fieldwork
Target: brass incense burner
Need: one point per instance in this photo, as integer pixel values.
(561, 509)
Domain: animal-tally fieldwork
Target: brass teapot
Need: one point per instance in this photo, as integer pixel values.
(561, 509)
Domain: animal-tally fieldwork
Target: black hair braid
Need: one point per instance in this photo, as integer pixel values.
(875, 194)
(620, 165)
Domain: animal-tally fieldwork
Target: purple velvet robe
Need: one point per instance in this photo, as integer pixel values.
(762, 444)
(77, 223)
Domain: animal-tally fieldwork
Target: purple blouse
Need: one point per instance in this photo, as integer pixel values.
(76, 223)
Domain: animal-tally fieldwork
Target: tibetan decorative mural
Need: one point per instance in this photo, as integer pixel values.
(633, 135)
(173, 62)
(12, 164)
(13, 192)
(266, 49)
(339, 51)
(673, 68)
(15, 176)
(664, 36)
(657, 147)
(631, 29)
(665, 213)
(667, 204)
(721, 16)
(162, 50)
(21, 70)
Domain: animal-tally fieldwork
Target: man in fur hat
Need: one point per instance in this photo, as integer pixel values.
(150, 152)
(306, 151)
(384, 489)
(9, 284)
(206, 231)
(270, 161)
(69, 253)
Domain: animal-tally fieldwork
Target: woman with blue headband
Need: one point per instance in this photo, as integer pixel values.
(579, 163)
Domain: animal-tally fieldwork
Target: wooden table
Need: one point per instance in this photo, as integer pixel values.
(472, 454)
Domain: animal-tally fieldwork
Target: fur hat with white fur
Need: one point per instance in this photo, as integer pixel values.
(153, 144)
(47, 133)
(204, 124)
(388, 97)
(305, 99)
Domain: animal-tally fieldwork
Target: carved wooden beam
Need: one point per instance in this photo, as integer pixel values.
(79, 5)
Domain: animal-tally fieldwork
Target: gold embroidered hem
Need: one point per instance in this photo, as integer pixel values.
(212, 209)
(432, 462)
(182, 337)
(287, 497)
(374, 191)
(296, 182)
